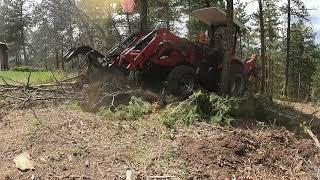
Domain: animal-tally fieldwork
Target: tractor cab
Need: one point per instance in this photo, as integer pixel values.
(211, 68)
(216, 19)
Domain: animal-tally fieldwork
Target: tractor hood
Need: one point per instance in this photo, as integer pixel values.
(214, 16)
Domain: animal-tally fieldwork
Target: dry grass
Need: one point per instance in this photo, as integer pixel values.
(68, 143)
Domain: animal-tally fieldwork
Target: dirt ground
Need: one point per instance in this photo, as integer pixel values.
(66, 143)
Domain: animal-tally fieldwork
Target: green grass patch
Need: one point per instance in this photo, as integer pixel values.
(37, 77)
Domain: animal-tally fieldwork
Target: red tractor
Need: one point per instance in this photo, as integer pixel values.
(162, 56)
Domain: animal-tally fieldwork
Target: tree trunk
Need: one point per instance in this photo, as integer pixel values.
(129, 24)
(62, 61)
(46, 57)
(57, 58)
(167, 9)
(263, 49)
(225, 88)
(22, 34)
(18, 59)
(144, 15)
(25, 56)
(241, 46)
(288, 51)
(270, 76)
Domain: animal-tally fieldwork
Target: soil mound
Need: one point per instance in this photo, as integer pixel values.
(267, 154)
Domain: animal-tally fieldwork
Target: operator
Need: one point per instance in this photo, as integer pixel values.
(219, 43)
(208, 69)
(217, 50)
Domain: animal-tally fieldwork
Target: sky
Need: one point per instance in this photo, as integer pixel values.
(310, 4)
(315, 16)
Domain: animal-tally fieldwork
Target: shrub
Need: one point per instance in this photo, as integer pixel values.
(201, 106)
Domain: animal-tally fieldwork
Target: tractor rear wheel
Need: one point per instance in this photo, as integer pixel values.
(182, 81)
(238, 80)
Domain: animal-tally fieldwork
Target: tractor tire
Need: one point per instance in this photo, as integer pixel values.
(238, 80)
(182, 81)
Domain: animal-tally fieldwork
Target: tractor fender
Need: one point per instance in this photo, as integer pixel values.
(236, 60)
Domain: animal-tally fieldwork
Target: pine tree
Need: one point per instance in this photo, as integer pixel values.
(263, 48)
(225, 89)
(14, 21)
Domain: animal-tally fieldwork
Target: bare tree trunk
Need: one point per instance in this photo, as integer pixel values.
(23, 39)
(288, 50)
(129, 24)
(144, 15)
(263, 49)
(25, 56)
(270, 77)
(241, 46)
(225, 88)
(167, 9)
(62, 61)
(57, 58)
(17, 59)
(2, 59)
(6, 60)
(46, 57)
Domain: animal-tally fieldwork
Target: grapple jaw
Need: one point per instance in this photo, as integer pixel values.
(94, 57)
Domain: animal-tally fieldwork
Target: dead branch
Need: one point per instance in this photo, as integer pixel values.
(313, 136)
(53, 85)
(56, 98)
(28, 79)
(4, 81)
(13, 97)
(160, 177)
(113, 96)
(282, 114)
(72, 79)
(57, 81)
(13, 81)
(34, 114)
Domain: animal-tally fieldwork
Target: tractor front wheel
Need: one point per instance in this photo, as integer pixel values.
(238, 80)
(182, 81)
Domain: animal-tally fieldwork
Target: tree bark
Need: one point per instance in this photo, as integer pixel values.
(144, 15)
(25, 56)
(263, 49)
(167, 8)
(46, 57)
(129, 24)
(62, 61)
(57, 58)
(225, 88)
(288, 50)
(23, 39)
